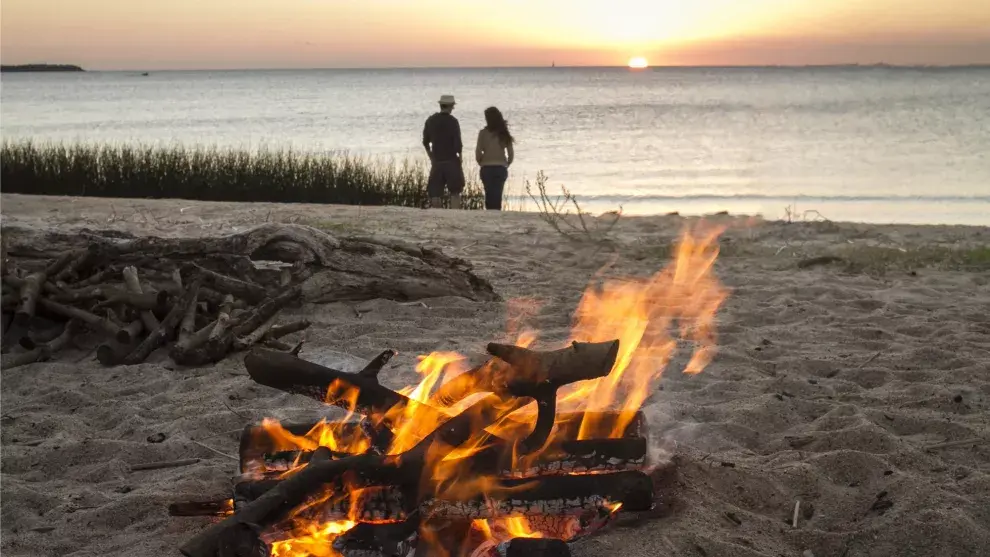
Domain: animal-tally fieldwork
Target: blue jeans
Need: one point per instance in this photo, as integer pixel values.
(493, 178)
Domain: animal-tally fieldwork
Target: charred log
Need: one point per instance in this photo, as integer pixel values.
(569, 457)
(295, 375)
(393, 500)
(257, 444)
(242, 541)
(556, 495)
(361, 471)
(220, 507)
(533, 547)
(390, 539)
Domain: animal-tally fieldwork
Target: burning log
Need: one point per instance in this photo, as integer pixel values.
(362, 470)
(257, 442)
(540, 375)
(378, 539)
(561, 497)
(570, 457)
(288, 373)
(555, 495)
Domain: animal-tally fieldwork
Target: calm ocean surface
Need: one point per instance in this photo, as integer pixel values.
(863, 144)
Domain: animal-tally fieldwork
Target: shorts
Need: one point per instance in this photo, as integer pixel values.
(445, 173)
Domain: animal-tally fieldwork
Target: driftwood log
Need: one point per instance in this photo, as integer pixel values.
(138, 292)
(522, 373)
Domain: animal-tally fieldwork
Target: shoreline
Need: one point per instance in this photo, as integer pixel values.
(514, 201)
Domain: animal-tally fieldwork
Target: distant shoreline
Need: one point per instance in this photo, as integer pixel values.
(782, 67)
(40, 68)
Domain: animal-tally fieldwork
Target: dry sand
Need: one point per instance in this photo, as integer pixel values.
(828, 386)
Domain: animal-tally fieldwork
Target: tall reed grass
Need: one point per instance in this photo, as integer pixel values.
(215, 175)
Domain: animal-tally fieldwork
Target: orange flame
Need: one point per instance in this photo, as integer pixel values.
(650, 316)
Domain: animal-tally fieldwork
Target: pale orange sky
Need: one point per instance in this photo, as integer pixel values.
(221, 34)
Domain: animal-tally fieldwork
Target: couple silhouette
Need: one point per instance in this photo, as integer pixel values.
(493, 153)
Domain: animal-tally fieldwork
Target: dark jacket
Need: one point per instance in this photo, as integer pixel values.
(442, 137)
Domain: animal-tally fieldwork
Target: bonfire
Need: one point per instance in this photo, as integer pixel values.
(521, 455)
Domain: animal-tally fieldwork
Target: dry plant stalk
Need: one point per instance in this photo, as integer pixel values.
(556, 210)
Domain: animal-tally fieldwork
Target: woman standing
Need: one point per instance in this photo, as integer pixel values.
(494, 154)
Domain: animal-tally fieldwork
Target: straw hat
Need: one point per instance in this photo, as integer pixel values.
(447, 99)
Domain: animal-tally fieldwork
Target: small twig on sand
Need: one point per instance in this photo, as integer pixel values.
(873, 357)
(236, 413)
(950, 444)
(797, 509)
(164, 464)
(209, 448)
(816, 261)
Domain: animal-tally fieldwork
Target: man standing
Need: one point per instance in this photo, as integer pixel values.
(442, 140)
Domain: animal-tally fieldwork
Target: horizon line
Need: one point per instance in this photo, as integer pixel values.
(871, 65)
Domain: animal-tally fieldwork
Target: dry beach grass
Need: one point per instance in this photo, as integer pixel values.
(835, 381)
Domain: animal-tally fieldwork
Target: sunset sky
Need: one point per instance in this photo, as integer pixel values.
(222, 34)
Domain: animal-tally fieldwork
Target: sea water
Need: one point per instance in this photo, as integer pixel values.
(872, 144)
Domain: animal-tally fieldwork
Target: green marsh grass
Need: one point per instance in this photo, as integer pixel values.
(214, 174)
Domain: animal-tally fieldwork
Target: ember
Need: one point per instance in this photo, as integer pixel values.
(517, 456)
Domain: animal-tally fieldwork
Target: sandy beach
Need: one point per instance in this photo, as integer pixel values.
(830, 385)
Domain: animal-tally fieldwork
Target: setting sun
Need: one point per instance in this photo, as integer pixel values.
(638, 62)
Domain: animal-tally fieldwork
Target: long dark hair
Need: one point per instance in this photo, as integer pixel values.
(494, 122)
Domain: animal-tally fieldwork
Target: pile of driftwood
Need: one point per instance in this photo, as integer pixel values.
(203, 298)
